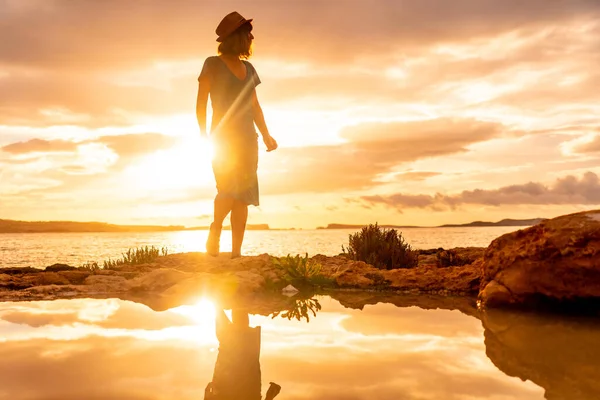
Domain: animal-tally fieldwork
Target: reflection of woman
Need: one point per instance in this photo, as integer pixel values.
(231, 81)
(237, 370)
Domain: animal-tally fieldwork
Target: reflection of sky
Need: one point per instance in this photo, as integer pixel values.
(64, 349)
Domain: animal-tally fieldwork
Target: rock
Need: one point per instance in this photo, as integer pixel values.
(289, 290)
(46, 292)
(559, 354)
(458, 280)
(158, 280)
(106, 284)
(555, 261)
(249, 282)
(59, 267)
(20, 270)
(187, 274)
(196, 286)
(48, 278)
(496, 295)
(359, 299)
(10, 282)
(75, 277)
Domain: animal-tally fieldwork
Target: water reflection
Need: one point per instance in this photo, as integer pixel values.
(237, 372)
(300, 309)
(361, 349)
(559, 354)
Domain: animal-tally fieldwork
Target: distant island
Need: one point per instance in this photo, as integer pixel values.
(504, 222)
(12, 226)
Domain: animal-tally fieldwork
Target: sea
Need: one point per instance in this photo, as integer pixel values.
(39, 250)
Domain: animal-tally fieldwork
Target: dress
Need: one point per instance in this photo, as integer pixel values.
(233, 133)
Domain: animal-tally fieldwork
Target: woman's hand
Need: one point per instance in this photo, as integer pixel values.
(273, 391)
(270, 142)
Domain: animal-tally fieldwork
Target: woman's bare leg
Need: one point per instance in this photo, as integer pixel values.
(239, 216)
(222, 207)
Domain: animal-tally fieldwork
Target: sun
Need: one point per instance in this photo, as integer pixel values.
(187, 164)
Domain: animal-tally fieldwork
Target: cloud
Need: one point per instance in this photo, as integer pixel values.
(590, 147)
(50, 172)
(110, 33)
(125, 145)
(415, 175)
(89, 47)
(131, 145)
(371, 149)
(41, 146)
(93, 99)
(568, 190)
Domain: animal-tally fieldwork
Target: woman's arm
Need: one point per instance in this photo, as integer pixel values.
(259, 117)
(259, 120)
(201, 102)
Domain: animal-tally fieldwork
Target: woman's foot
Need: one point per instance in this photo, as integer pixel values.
(236, 254)
(212, 243)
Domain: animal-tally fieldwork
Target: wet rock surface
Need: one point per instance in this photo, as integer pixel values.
(555, 261)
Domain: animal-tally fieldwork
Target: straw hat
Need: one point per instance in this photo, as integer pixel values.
(229, 24)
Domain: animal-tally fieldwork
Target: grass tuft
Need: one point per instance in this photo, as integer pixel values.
(141, 255)
(301, 271)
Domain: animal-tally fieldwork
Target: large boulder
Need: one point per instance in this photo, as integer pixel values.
(555, 262)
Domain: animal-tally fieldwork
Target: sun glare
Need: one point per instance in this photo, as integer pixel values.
(186, 164)
(202, 313)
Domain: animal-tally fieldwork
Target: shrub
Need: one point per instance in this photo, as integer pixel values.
(142, 255)
(382, 248)
(301, 270)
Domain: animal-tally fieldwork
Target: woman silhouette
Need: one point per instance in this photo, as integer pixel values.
(237, 374)
(231, 81)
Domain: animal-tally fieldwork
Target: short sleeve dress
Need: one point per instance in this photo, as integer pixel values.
(233, 133)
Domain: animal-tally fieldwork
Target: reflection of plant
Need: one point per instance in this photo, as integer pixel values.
(300, 309)
(142, 255)
(382, 248)
(300, 270)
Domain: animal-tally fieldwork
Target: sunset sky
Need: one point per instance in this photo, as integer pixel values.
(404, 112)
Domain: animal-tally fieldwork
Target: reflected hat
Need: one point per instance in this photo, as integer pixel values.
(229, 24)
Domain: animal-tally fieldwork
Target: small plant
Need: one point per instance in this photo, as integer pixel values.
(300, 309)
(382, 248)
(142, 255)
(91, 266)
(301, 270)
(450, 258)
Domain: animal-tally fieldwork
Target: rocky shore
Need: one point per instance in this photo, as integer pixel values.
(557, 260)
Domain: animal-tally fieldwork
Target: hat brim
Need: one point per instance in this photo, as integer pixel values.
(245, 21)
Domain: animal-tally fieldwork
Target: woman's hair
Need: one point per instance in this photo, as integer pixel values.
(238, 43)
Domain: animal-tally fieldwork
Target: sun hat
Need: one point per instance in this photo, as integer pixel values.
(229, 24)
